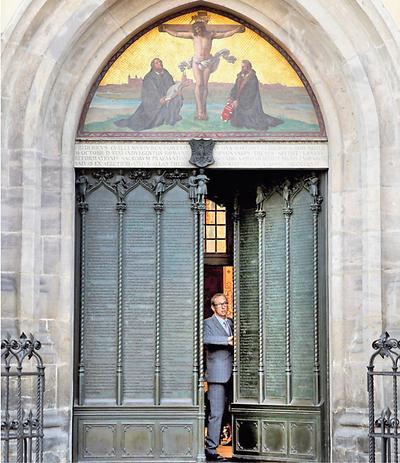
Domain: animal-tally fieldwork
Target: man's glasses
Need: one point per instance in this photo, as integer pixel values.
(222, 304)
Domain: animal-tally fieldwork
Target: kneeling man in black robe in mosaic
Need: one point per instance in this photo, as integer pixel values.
(159, 104)
(247, 107)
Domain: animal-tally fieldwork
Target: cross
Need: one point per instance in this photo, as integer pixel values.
(203, 62)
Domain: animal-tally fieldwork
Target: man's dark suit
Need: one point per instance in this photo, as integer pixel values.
(219, 372)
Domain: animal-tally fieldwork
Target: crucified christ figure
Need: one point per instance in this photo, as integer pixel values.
(203, 62)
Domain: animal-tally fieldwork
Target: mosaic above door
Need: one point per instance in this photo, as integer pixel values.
(201, 74)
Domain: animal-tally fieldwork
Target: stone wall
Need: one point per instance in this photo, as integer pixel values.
(349, 51)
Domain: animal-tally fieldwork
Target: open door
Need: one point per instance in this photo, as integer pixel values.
(279, 408)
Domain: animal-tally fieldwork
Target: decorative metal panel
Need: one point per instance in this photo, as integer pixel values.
(247, 435)
(177, 302)
(286, 433)
(101, 283)
(302, 439)
(274, 437)
(274, 297)
(138, 325)
(281, 385)
(249, 336)
(301, 297)
(176, 440)
(139, 296)
(138, 440)
(99, 440)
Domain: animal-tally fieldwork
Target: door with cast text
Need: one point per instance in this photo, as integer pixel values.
(138, 390)
(280, 397)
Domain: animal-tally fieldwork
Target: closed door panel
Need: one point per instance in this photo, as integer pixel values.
(137, 343)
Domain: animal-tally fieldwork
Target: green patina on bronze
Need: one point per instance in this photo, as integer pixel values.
(140, 383)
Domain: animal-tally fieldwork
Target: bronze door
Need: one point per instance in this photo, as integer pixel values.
(138, 395)
(280, 393)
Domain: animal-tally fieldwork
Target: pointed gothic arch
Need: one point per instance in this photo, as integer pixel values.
(354, 74)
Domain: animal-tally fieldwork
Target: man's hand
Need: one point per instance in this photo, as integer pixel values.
(163, 101)
(230, 340)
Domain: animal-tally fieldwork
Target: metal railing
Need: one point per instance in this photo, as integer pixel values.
(386, 427)
(22, 379)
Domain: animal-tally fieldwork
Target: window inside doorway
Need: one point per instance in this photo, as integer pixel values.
(215, 233)
(218, 252)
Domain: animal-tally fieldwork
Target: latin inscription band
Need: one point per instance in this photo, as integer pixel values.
(227, 155)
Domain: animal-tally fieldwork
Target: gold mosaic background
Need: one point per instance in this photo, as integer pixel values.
(270, 65)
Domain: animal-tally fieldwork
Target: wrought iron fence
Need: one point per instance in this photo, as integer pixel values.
(23, 386)
(385, 428)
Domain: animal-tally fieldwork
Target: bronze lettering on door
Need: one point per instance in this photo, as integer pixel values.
(279, 408)
(138, 353)
(140, 308)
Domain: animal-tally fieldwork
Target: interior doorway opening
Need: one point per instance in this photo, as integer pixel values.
(218, 278)
(218, 255)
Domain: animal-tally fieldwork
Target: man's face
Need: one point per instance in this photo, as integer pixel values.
(220, 306)
(157, 65)
(245, 68)
(198, 28)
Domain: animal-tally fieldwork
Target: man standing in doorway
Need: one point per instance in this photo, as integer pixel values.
(218, 340)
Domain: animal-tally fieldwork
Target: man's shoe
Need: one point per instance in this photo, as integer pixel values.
(211, 456)
(214, 457)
